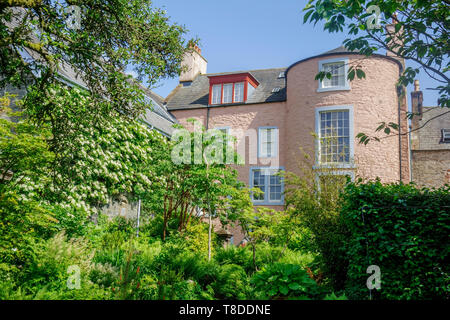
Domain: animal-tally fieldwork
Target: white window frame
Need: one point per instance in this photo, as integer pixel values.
(266, 201)
(227, 132)
(262, 154)
(346, 86)
(350, 164)
(445, 133)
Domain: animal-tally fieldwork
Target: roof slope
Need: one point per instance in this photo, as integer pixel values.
(196, 95)
(341, 49)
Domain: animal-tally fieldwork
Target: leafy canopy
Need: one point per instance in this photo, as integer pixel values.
(39, 40)
(419, 33)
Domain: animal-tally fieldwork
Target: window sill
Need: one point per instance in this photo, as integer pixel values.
(266, 203)
(334, 166)
(345, 88)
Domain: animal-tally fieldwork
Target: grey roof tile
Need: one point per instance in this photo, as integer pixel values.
(158, 122)
(340, 49)
(196, 95)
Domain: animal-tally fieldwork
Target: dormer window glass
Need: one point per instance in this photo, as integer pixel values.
(231, 88)
(216, 94)
(228, 93)
(239, 92)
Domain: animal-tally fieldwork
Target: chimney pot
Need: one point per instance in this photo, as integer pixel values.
(394, 18)
(416, 85)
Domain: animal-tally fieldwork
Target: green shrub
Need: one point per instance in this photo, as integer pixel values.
(315, 204)
(241, 256)
(301, 259)
(284, 281)
(232, 283)
(22, 222)
(403, 230)
(48, 275)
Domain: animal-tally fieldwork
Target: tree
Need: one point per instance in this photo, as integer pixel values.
(181, 189)
(419, 32)
(98, 39)
(95, 159)
(259, 226)
(313, 197)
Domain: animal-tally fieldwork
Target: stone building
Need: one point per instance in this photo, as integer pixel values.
(430, 142)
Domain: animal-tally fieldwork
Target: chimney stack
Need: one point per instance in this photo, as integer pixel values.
(417, 100)
(416, 108)
(390, 31)
(194, 64)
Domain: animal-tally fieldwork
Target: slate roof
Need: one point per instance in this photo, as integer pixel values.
(155, 121)
(341, 49)
(196, 95)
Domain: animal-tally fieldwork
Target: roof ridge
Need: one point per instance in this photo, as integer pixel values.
(240, 71)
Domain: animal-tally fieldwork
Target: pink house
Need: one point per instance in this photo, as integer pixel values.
(274, 112)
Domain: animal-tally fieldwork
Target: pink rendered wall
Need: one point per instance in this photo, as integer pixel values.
(245, 118)
(374, 100)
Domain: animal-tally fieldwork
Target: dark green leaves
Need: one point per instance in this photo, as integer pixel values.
(419, 34)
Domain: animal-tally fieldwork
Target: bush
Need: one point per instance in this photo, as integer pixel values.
(316, 204)
(240, 256)
(232, 283)
(403, 230)
(285, 281)
(48, 275)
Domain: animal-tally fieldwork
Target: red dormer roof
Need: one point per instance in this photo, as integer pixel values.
(231, 78)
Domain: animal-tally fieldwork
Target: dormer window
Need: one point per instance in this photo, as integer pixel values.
(231, 89)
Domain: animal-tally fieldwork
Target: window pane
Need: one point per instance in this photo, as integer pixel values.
(217, 94)
(258, 182)
(334, 137)
(239, 92)
(268, 142)
(228, 93)
(337, 70)
(275, 183)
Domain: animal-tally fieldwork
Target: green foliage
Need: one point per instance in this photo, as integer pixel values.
(22, 223)
(281, 281)
(47, 276)
(234, 255)
(402, 229)
(232, 283)
(316, 204)
(109, 39)
(420, 34)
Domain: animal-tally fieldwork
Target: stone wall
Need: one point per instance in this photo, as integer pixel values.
(431, 168)
(121, 207)
(430, 155)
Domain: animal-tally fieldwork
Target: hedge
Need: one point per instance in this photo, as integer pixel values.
(405, 231)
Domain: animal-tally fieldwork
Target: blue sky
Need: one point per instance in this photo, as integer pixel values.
(255, 34)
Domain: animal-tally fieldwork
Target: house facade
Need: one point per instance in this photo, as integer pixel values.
(279, 114)
(430, 142)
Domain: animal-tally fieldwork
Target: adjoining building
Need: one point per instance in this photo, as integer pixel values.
(430, 142)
